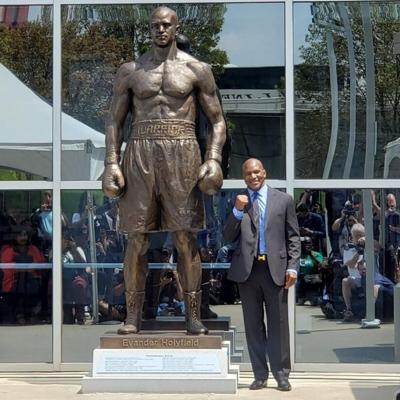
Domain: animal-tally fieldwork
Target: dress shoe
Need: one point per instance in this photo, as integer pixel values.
(258, 384)
(284, 385)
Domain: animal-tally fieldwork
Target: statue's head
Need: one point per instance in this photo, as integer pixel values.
(163, 26)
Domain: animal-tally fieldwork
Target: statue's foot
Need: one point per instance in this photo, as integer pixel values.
(196, 328)
(128, 329)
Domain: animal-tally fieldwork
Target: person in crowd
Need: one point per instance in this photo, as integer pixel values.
(265, 266)
(42, 223)
(170, 294)
(309, 280)
(206, 256)
(312, 225)
(392, 238)
(75, 280)
(355, 262)
(342, 225)
(22, 287)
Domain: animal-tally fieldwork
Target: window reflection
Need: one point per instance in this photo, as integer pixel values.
(26, 92)
(337, 231)
(25, 274)
(248, 66)
(93, 280)
(346, 89)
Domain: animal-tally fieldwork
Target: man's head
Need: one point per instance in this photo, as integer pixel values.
(357, 232)
(306, 243)
(254, 173)
(163, 26)
(302, 210)
(391, 202)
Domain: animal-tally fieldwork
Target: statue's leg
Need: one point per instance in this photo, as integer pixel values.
(189, 269)
(135, 273)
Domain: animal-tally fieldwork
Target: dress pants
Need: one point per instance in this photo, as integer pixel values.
(258, 291)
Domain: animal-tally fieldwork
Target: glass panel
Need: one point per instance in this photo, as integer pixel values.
(26, 92)
(346, 85)
(244, 43)
(348, 269)
(26, 237)
(93, 292)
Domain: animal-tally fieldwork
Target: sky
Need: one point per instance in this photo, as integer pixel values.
(253, 33)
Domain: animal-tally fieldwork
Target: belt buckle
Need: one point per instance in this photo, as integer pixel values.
(261, 257)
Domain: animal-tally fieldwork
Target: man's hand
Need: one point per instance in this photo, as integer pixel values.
(210, 177)
(241, 202)
(113, 181)
(305, 231)
(290, 280)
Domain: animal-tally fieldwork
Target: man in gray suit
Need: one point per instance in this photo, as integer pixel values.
(265, 265)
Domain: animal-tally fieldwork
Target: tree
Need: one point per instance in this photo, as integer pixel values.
(312, 85)
(98, 39)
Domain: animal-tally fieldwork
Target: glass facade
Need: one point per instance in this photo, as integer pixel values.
(26, 51)
(310, 88)
(26, 239)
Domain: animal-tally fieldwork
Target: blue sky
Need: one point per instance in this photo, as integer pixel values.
(253, 33)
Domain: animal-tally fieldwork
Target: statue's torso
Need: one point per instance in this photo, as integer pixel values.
(164, 91)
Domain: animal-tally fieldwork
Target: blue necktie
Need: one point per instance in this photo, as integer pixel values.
(256, 215)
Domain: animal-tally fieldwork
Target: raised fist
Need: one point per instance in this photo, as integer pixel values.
(210, 177)
(241, 201)
(113, 181)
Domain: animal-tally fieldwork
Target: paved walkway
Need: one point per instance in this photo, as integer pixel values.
(65, 386)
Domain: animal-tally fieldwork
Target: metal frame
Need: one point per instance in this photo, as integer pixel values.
(290, 183)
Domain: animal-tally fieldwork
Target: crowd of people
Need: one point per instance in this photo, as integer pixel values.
(333, 280)
(333, 266)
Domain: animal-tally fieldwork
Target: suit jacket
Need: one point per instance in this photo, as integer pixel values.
(281, 235)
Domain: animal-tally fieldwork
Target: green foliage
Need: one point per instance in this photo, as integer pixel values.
(312, 85)
(98, 39)
(27, 51)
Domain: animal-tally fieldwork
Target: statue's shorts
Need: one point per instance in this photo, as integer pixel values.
(161, 165)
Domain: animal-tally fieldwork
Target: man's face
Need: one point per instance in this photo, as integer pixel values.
(391, 202)
(254, 174)
(163, 27)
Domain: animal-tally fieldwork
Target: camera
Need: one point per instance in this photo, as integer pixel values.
(359, 247)
(348, 209)
(169, 275)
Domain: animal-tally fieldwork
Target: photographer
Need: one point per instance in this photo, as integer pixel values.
(343, 225)
(171, 294)
(312, 225)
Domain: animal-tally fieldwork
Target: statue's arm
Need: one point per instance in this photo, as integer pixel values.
(116, 116)
(209, 102)
(113, 181)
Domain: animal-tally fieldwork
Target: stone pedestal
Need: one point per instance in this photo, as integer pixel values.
(161, 362)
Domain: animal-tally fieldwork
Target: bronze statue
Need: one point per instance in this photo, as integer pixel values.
(162, 176)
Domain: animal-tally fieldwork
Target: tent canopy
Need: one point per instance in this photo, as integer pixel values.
(26, 135)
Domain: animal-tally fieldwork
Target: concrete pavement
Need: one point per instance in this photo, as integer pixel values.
(306, 386)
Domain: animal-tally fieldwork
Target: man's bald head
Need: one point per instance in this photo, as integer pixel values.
(252, 161)
(163, 26)
(163, 12)
(254, 173)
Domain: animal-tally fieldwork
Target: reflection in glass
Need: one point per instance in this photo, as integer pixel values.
(25, 276)
(26, 92)
(249, 72)
(93, 282)
(346, 85)
(338, 289)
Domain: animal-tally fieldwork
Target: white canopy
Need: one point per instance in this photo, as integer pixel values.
(26, 135)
